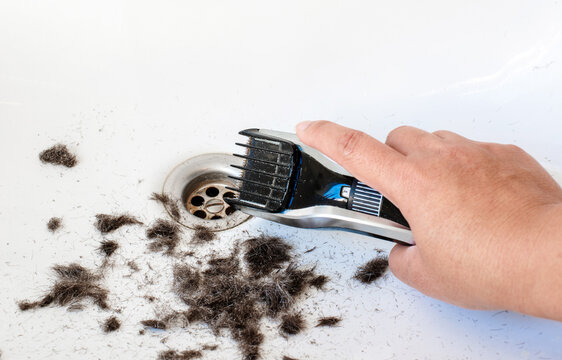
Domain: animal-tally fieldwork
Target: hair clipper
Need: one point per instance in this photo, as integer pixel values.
(285, 181)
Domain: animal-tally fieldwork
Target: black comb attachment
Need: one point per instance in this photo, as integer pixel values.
(267, 174)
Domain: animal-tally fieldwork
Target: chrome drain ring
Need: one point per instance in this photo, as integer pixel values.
(199, 183)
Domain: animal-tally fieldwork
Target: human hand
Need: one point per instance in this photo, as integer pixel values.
(486, 218)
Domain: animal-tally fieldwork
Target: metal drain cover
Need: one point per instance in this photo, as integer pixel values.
(199, 183)
(207, 201)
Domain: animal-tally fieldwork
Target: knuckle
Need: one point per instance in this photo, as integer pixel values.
(350, 141)
(493, 147)
(397, 132)
(456, 152)
(442, 133)
(503, 149)
(513, 148)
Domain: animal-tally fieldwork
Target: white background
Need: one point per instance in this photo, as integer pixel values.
(136, 87)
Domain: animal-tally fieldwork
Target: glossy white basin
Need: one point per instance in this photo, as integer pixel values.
(137, 87)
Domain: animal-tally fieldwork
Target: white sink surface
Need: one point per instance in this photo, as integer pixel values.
(134, 88)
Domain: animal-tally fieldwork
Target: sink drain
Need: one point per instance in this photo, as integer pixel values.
(207, 202)
(201, 184)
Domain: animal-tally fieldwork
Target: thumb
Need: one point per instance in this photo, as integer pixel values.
(369, 160)
(406, 264)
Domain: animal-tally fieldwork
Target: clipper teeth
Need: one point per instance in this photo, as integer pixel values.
(266, 173)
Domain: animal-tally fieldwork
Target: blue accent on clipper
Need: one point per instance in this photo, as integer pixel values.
(334, 192)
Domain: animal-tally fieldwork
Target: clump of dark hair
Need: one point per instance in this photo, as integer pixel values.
(168, 203)
(26, 305)
(54, 224)
(111, 324)
(222, 265)
(328, 321)
(319, 281)
(184, 355)
(74, 283)
(186, 279)
(202, 234)
(263, 254)
(296, 279)
(58, 155)
(225, 296)
(279, 290)
(163, 229)
(133, 265)
(250, 339)
(222, 297)
(372, 270)
(165, 235)
(275, 296)
(108, 223)
(292, 324)
(174, 319)
(108, 247)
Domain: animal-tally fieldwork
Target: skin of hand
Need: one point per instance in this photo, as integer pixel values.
(486, 218)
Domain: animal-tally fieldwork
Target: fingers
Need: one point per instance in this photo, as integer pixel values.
(448, 135)
(366, 158)
(399, 262)
(406, 264)
(408, 139)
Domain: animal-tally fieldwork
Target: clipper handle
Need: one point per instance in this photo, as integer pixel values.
(367, 200)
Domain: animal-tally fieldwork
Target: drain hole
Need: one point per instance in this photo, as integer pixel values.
(212, 191)
(198, 201)
(202, 185)
(200, 213)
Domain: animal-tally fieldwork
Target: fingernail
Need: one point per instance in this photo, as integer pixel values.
(303, 125)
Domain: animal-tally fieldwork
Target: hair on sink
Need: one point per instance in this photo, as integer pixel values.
(107, 223)
(54, 224)
(111, 324)
(264, 254)
(292, 324)
(328, 321)
(58, 155)
(108, 247)
(170, 204)
(165, 236)
(372, 270)
(183, 355)
(202, 234)
(73, 283)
